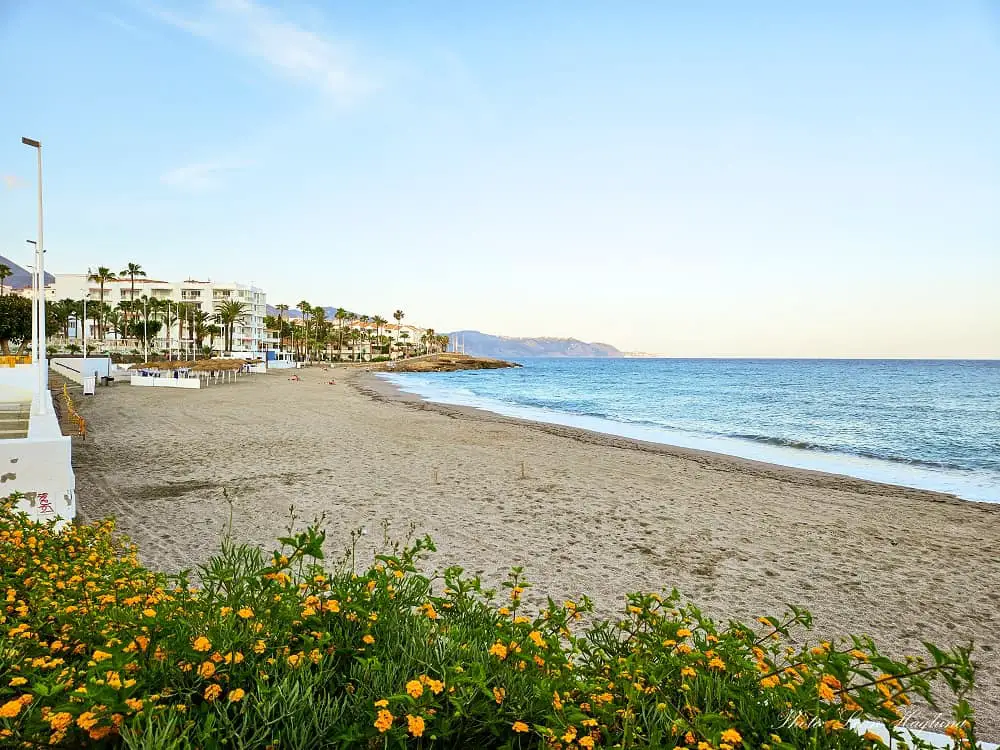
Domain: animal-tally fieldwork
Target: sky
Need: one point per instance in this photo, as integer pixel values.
(773, 179)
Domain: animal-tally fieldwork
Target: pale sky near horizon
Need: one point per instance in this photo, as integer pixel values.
(693, 179)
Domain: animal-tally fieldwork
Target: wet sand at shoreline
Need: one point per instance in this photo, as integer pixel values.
(587, 513)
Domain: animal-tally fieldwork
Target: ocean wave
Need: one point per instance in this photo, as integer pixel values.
(810, 446)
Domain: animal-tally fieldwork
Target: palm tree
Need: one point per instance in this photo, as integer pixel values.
(379, 321)
(398, 315)
(169, 316)
(305, 308)
(102, 276)
(341, 315)
(318, 316)
(132, 270)
(5, 272)
(281, 328)
(354, 336)
(229, 313)
(212, 331)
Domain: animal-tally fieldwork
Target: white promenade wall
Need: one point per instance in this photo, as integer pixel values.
(165, 382)
(39, 466)
(75, 368)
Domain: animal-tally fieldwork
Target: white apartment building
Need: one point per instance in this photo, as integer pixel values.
(249, 336)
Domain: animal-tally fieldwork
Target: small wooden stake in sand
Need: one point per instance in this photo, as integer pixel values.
(435, 476)
(523, 475)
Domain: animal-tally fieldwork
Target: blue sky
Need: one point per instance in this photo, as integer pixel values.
(696, 179)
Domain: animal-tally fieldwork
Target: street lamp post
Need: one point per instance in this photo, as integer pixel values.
(34, 303)
(145, 329)
(86, 296)
(42, 363)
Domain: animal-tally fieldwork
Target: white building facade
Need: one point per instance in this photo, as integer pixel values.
(249, 334)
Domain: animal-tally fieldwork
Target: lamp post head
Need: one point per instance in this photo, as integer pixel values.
(31, 142)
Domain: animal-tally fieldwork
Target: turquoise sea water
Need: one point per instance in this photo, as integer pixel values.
(931, 424)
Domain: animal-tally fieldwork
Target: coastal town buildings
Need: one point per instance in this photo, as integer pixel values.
(249, 336)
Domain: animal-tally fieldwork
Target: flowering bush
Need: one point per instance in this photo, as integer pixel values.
(279, 652)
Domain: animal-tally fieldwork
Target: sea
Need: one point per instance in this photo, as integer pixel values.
(928, 424)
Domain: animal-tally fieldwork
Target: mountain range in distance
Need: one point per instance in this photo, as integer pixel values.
(21, 278)
(480, 344)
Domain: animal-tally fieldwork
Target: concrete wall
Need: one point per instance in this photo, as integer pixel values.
(39, 466)
(75, 368)
(165, 382)
(17, 384)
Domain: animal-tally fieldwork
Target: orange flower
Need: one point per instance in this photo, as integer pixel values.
(731, 735)
(499, 650)
(206, 670)
(10, 709)
(384, 721)
(245, 612)
(212, 692)
(415, 724)
(86, 720)
(519, 726)
(414, 688)
(499, 694)
(368, 638)
(201, 643)
(235, 696)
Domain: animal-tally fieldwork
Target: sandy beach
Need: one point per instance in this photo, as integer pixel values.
(581, 512)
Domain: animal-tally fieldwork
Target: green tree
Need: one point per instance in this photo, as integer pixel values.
(341, 316)
(102, 276)
(399, 315)
(281, 325)
(229, 313)
(305, 308)
(15, 322)
(131, 271)
(5, 273)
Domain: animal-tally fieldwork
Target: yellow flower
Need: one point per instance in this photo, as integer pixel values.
(587, 742)
(212, 692)
(825, 692)
(519, 726)
(10, 709)
(770, 682)
(86, 720)
(688, 672)
(226, 611)
(536, 638)
(101, 655)
(436, 686)
(683, 633)
(499, 694)
(717, 663)
(259, 647)
(245, 612)
(201, 643)
(428, 609)
(414, 688)
(16, 681)
(570, 734)
(499, 650)
(206, 670)
(331, 605)
(60, 721)
(382, 703)
(134, 703)
(731, 735)
(368, 638)
(384, 721)
(149, 612)
(415, 725)
(833, 725)
(557, 703)
(235, 696)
